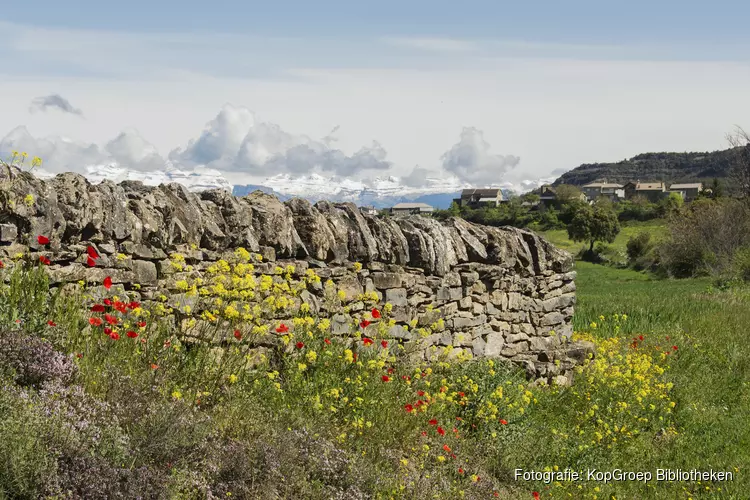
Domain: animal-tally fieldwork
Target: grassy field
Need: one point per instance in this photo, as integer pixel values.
(616, 251)
(710, 369)
(142, 413)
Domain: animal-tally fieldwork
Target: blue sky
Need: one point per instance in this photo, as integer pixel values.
(488, 91)
(571, 21)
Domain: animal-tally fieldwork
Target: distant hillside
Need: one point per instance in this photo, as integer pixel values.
(668, 167)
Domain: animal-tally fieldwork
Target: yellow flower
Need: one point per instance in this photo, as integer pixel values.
(232, 378)
(349, 356)
(176, 394)
(29, 199)
(301, 367)
(311, 356)
(441, 458)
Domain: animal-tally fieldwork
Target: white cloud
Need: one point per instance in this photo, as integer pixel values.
(418, 177)
(471, 161)
(133, 151)
(237, 141)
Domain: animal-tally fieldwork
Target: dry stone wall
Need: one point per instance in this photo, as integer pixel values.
(501, 292)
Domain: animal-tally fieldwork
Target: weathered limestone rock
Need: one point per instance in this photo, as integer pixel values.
(501, 292)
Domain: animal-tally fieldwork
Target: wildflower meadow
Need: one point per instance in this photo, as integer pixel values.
(104, 397)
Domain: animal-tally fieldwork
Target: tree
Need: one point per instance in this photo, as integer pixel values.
(567, 193)
(717, 189)
(670, 204)
(594, 223)
(740, 171)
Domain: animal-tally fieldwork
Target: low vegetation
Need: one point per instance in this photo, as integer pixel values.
(103, 398)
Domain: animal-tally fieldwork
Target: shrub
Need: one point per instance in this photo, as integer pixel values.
(706, 238)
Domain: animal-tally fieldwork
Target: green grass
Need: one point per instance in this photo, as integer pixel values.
(657, 228)
(185, 422)
(710, 370)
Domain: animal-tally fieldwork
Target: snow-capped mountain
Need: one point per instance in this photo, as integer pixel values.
(197, 179)
(379, 192)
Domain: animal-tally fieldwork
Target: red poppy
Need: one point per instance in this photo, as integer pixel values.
(441, 431)
(640, 337)
(503, 421)
(110, 319)
(95, 321)
(282, 328)
(107, 330)
(447, 448)
(97, 308)
(51, 323)
(420, 393)
(674, 347)
(535, 495)
(453, 456)
(300, 345)
(384, 343)
(433, 421)
(238, 335)
(107, 282)
(495, 494)
(79, 355)
(132, 334)
(114, 336)
(420, 403)
(327, 341)
(1, 264)
(90, 262)
(141, 324)
(424, 433)
(154, 366)
(92, 253)
(386, 378)
(355, 356)
(461, 394)
(390, 371)
(107, 302)
(121, 306)
(43, 240)
(375, 314)
(134, 305)
(364, 324)
(366, 341)
(44, 260)
(408, 408)
(460, 470)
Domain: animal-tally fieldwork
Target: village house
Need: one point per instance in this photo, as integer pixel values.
(547, 195)
(369, 210)
(604, 189)
(688, 191)
(652, 191)
(475, 198)
(411, 208)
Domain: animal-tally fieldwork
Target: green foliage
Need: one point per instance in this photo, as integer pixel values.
(594, 223)
(186, 429)
(706, 237)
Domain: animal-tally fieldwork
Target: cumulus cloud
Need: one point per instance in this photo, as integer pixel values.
(59, 154)
(131, 150)
(418, 177)
(471, 161)
(53, 101)
(237, 141)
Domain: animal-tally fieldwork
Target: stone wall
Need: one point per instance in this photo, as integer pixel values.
(501, 292)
